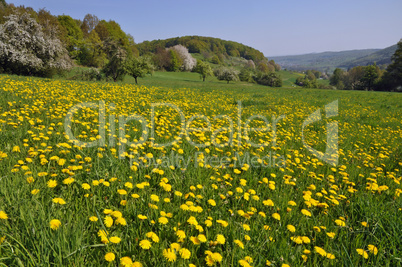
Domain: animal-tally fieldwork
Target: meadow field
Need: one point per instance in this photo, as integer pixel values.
(95, 185)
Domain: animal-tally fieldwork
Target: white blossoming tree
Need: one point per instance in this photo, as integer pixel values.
(225, 74)
(189, 62)
(25, 49)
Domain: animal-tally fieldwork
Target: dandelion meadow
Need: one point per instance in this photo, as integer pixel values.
(225, 192)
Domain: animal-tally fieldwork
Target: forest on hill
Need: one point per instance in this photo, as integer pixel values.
(208, 46)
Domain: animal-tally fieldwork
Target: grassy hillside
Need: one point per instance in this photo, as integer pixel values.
(326, 61)
(191, 79)
(380, 57)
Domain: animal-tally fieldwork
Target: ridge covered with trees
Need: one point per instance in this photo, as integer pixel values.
(208, 46)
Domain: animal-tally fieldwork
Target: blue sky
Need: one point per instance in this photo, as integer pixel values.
(280, 27)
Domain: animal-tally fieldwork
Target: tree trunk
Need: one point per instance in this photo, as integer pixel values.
(135, 80)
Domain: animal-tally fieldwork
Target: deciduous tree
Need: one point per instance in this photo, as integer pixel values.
(115, 67)
(204, 69)
(225, 74)
(138, 67)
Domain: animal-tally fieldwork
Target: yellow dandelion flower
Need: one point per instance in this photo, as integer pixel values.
(331, 234)
(3, 215)
(244, 263)
(35, 191)
(362, 252)
(216, 257)
(117, 214)
(291, 228)
(340, 223)
(239, 243)
(222, 223)
(153, 236)
(108, 221)
(103, 235)
(122, 192)
(110, 257)
(246, 227)
(54, 224)
(209, 260)
(169, 254)
(142, 217)
(107, 211)
(185, 253)
(306, 212)
(192, 221)
(121, 221)
(145, 244)
(373, 249)
(202, 238)
(93, 219)
(268, 203)
(85, 186)
(126, 262)
(212, 202)
(58, 200)
(115, 239)
(68, 181)
(181, 234)
(195, 240)
(320, 251)
(276, 216)
(52, 183)
(154, 198)
(220, 239)
(306, 240)
(163, 220)
(297, 239)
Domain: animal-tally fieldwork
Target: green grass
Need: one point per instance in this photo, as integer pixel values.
(32, 113)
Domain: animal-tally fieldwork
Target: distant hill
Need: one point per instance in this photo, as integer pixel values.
(325, 61)
(380, 57)
(201, 44)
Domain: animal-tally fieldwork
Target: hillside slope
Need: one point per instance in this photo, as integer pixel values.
(325, 61)
(380, 57)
